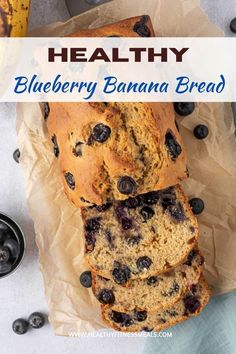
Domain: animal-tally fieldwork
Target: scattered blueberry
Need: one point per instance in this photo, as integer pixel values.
(36, 320)
(173, 146)
(150, 198)
(46, 110)
(152, 280)
(13, 247)
(123, 319)
(70, 180)
(77, 150)
(232, 25)
(191, 303)
(193, 288)
(184, 108)
(20, 326)
(55, 145)
(5, 268)
(147, 213)
(90, 240)
(16, 155)
(197, 205)
(133, 240)
(86, 279)
(106, 296)
(121, 273)
(101, 132)
(143, 263)
(126, 185)
(140, 316)
(147, 329)
(4, 255)
(141, 28)
(201, 131)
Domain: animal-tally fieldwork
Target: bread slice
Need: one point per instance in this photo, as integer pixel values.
(191, 304)
(139, 237)
(153, 293)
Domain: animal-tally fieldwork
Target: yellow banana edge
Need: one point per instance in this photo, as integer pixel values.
(14, 18)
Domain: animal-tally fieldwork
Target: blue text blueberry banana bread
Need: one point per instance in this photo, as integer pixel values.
(139, 237)
(153, 293)
(191, 304)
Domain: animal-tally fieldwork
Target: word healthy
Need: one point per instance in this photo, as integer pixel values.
(112, 85)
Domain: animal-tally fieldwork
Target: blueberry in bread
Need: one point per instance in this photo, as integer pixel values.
(115, 150)
(153, 293)
(139, 237)
(191, 304)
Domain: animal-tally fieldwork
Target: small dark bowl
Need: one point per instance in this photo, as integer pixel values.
(19, 237)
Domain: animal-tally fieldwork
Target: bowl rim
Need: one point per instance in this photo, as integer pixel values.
(19, 234)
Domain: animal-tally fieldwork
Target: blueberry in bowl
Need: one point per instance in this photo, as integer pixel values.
(12, 245)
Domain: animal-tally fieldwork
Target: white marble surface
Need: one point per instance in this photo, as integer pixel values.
(22, 292)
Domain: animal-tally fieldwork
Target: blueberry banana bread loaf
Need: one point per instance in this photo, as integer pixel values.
(110, 151)
(153, 293)
(191, 304)
(139, 237)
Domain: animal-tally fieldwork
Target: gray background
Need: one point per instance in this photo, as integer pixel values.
(22, 292)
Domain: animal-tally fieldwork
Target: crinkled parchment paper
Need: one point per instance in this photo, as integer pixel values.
(211, 164)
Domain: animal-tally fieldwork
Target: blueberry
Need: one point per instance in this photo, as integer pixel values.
(143, 263)
(106, 296)
(101, 132)
(86, 279)
(197, 205)
(141, 28)
(126, 185)
(191, 257)
(16, 155)
(4, 255)
(5, 268)
(121, 273)
(90, 240)
(193, 288)
(133, 240)
(184, 108)
(104, 207)
(13, 247)
(20, 326)
(123, 319)
(147, 213)
(191, 303)
(150, 198)
(2, 237)
(36, 320)
(147, 329)
(4, 227)
(55, 145)
(201, 131)
(173, 146)
(77, 150)
(177, 212)
(232, 25)
(131, 203)
(92, 225)
(152, 280)
(70, 180)
(140, 316)
(46, 110)
(126, 223)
